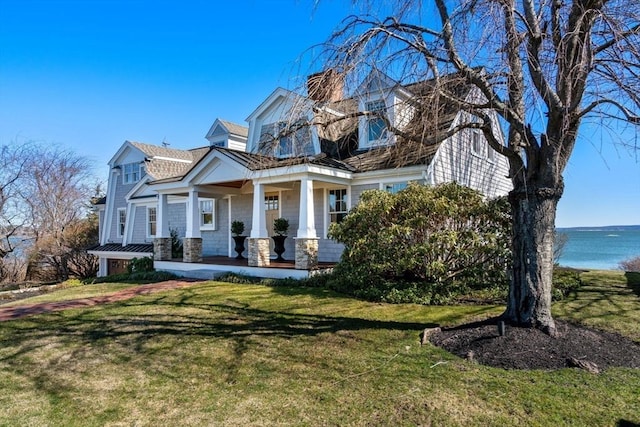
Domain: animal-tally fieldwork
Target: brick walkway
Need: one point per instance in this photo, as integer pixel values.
(16, 312)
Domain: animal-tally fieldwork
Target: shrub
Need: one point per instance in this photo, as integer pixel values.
(141, 277)
(565, 281)
(424, 244)
(631, 264)
(140, 265)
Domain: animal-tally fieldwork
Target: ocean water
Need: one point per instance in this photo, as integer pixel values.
(599, 248)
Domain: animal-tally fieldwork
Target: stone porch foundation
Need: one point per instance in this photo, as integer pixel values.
(258, 251)
(192, 249)
(162, 249)
(306, 253)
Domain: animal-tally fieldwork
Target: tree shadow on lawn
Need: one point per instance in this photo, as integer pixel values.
(163, 316)
(633, 281)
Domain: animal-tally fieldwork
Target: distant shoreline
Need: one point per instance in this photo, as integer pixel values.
(602, 228)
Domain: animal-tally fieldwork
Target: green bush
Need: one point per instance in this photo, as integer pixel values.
(565, 281)
(424, 244)
(140, 265)
(141, 277)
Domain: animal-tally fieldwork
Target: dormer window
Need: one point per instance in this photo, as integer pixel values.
(131, 173)
(376, 126)
(284, 139)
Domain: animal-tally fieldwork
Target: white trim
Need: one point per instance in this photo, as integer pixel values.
(108, 216)
(120, 255)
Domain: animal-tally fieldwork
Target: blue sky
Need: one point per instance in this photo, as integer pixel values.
(89, 74)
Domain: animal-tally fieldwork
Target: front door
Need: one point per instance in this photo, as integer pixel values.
(271, 213)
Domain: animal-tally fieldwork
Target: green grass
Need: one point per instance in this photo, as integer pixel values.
(250, 355)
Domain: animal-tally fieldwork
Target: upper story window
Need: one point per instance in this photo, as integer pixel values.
(480, 147)
(122, 221)
(131, 173)
(337, 205)
(286, 139)
(376, 126)
(477, 143)
(151, 221)
(207, 214)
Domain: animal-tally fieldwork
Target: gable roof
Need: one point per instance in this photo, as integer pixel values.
(162, 168)
(235, 129)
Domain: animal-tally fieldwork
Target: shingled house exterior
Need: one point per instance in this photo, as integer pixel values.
(303, 158)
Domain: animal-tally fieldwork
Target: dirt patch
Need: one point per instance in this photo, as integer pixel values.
(528, 348)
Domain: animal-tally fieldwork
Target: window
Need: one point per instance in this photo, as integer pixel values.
(286, 139)
(131, 173)
(207, 219)
(122, 220)
(477, 143)
(151, 222)
(376, 126)
(395, 187)
(337, 204)
(271, 203)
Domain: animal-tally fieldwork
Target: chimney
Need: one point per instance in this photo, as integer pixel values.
(325, 86)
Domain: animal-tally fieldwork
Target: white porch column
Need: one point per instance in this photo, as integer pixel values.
(258, 219)
(306, 220)
(192, 244)
(259, 238)
(307, 239)
(193, 215)
(162, 240)
(162, 216)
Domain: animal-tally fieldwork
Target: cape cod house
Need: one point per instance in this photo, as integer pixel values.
(303, 158)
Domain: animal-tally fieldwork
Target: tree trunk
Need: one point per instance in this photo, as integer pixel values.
(534, 213)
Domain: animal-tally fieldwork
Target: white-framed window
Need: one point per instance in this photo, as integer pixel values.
(477, 143)
(395, 187)
(122, 221)
(207, 214)
(131, 173)
(376, 126)
(151, 221)
(337, 205)
(286, 139)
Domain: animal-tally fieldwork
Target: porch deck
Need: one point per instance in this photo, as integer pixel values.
(215, 266)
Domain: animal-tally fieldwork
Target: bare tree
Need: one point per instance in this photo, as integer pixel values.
(13, 163)
(13, 160)
(546, 67)
(56, 192)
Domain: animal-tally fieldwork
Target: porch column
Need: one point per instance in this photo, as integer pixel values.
(307, 239)
(192, 244)
(259, 239)
(162, 239)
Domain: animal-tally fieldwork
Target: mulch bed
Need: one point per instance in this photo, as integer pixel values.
(529, 348)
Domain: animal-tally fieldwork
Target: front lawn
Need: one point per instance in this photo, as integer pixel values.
(223, 354)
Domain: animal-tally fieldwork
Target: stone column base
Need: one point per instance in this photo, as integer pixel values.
(162, 248)
(259, 251)
(306, 253)
(192, 249)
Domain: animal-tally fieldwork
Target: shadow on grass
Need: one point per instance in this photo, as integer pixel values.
(633, 281)
(143, 319)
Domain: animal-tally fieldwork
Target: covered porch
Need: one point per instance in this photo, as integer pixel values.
(244, 191)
